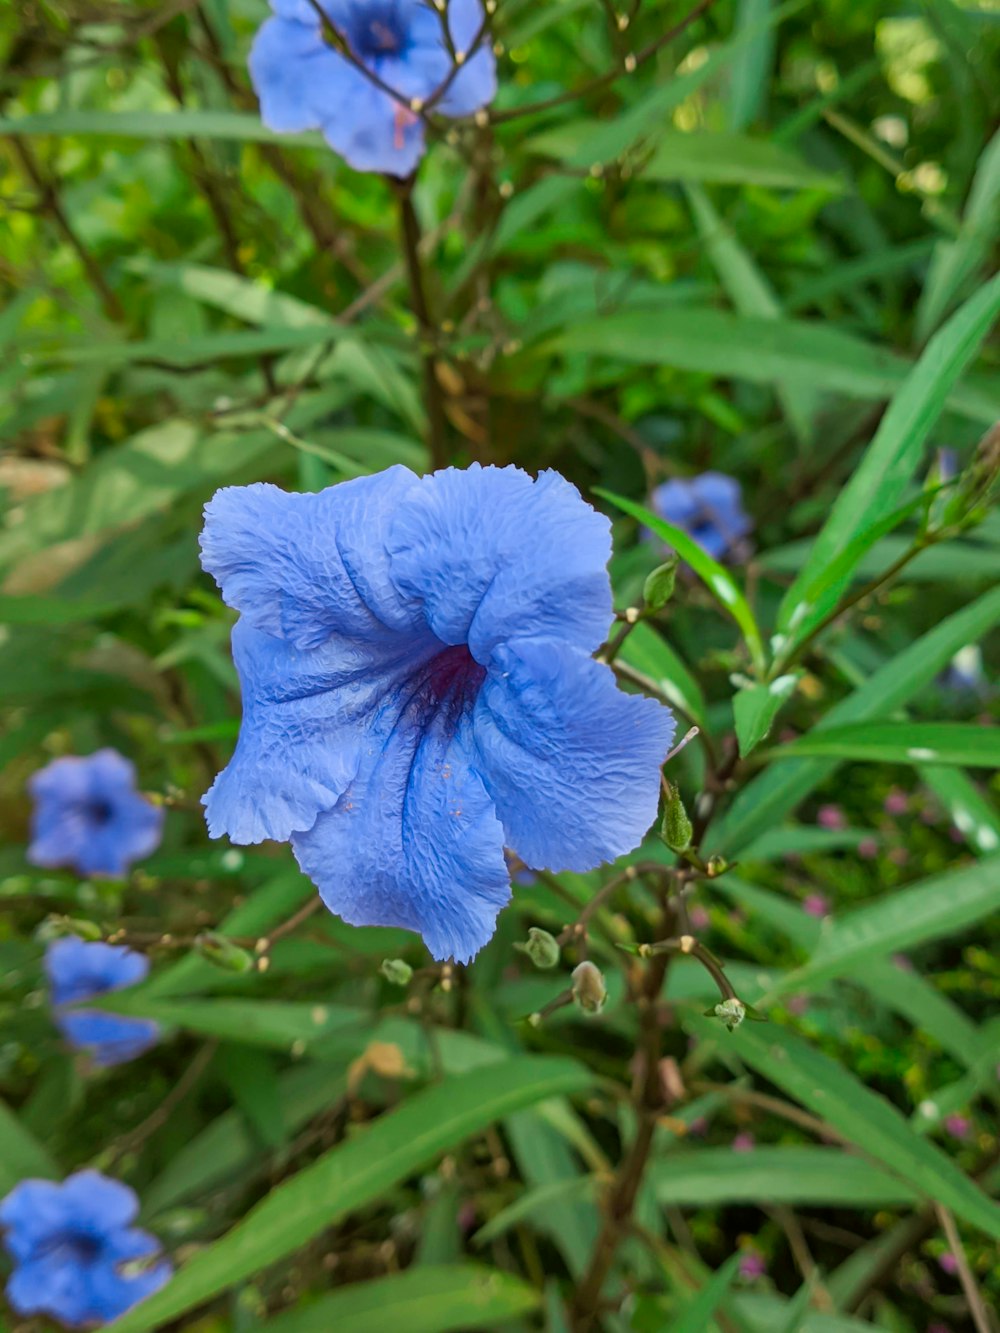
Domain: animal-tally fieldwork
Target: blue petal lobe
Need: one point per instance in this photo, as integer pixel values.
(286, 60)
(572, 763)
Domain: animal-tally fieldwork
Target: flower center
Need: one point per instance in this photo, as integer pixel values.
(71, 1247)
(453, 678)
(375, 30)
(98, 812)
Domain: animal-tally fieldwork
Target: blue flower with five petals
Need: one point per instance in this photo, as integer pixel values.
(304, 82)
(709, 508)
(89, 816)
(69, 1243)
(419, 692)
(78, 970)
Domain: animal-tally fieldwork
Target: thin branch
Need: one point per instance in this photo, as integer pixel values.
(433, 394)
(977, 1307)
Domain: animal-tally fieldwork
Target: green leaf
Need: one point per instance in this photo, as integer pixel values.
(278, 1024)
(422, 1300)
(965, 743)
(935, 908)
(756, 706)
(695, 1317)
(752, 66)
(354, 1174)
(21, 1155)
(733, 159)
(245, 127)
(769, 798)
(863, 1117)
(879, 482)
(974, 817)
(810, 1176)
(762, 351)
(716, 578)
(650, 653)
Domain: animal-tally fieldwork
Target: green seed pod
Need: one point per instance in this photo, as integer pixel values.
(396, 971)
(589, 990)
(58, 927)
(676, 829)
(540, 946)
(659, 586)
(223, 953)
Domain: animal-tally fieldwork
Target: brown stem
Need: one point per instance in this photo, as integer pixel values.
(973, 1296)
(433, 396)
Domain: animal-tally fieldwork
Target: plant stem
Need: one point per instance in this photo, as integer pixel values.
(433, 397)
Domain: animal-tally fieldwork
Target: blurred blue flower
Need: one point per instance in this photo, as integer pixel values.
(418, 691)
(305, 83)
(69, 1243)
(89, 816)
(78, 969)
(708, 508)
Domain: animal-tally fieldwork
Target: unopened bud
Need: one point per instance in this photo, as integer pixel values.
(676, 829)
(717, 865)
(731, 1013)
(396, 971)
(219, 951)
(659, 586)
(58, 927)
(541, 947)
(589, 990)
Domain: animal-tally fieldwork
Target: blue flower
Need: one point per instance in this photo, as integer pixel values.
(77, 970)
(709, 508)
(418, 691)
(305, 83)
(88, 815)
(69, 1243)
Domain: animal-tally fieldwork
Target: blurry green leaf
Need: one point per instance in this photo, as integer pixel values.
(756, 706)
(356, 1173)
(763, 351)
(864, 1117)
(21, 1154)
(878, 484)
(974, 816)
(175, 124)
(809, 1176)
(252, 1079)
(695, 1317)
(717, 579)
(279, 1024)
(650, 653)
(965, 743)
(421, 1300)
(572, 1191)
(752, 65)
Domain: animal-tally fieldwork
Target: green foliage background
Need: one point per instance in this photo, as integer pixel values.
(733, 256)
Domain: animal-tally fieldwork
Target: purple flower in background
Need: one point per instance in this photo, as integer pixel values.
(419, 691)
(831, 817)
(958, 1126)
(78, 970)
(304, 82)
(709, 508)
(896, 802)
(88, 815)
(744, 1142)
(69, 1242)
(868, 849)
(752, 1265)
(816, 904)
(948, 1262)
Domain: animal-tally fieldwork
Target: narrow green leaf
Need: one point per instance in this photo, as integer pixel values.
(695, 1317)
(278, 1024)
(756, 706)
(879, 482)
(962, 743)
(354, 1174)
(716, 578)
(21, 1155)
(751, 67)
(820, 1177)
(241, 126)
(975, 817)
(435, 1299)
(650, 653)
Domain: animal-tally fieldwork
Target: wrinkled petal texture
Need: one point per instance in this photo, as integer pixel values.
(88, 816)
(68, 1242)
(78, 969)
(304, 82)
(418, 692)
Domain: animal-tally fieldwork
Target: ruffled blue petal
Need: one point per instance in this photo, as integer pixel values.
(49, 1285)
(110, 1039)
(491, 553)
(110, 1293)
(78, 969)
(304, 567)
(287, 61)
(97, 1203)
(572, 763)
(371, 130)
(414, 841)
(30, 1212)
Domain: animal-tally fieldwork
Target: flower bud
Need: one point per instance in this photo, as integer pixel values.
(396, 971)
(219, 951)
(659, 586)
(589, 990)
(58, 927)
(731, 1013)
(676, 829)
(541, 947)
(716, 866)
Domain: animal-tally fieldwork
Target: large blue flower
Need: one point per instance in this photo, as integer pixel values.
(78, 970)
(418, 691)
(89, 816)
(709, 508)
(69, 1243)
(305, 83)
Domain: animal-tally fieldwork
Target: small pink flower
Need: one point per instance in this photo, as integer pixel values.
(466, 1217)
(868, 848)
(752, 1265)
(797, 1004)
(744, 1142)
(831, 817)
(938, 1328)
(699, 918)
(698, 1127)
(929, 815)
(901, 961)
(956, 834)
(899, 856)
(896, 802)
(816, 904)
(958, 1126)
(948, 1262)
